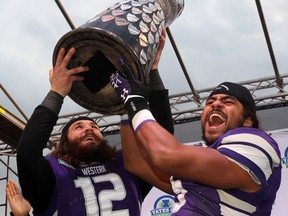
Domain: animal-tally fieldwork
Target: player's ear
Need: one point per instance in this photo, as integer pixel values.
(248, 122)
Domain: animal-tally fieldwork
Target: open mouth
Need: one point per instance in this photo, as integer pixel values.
(90, 137)
(216, 120)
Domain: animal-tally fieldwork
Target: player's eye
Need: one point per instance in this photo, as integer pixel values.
(229, 101)
(209, 102)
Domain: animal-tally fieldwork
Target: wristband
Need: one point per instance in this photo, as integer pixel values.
(135, 104)
(141, 118)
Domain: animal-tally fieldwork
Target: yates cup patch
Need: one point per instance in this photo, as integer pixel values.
(163, 206)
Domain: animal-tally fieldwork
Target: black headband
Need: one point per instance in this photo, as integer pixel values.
(240, 92)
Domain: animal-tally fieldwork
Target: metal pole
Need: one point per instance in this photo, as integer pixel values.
(8, 167)
(65, 14)
(14, 103)
(194, 92)
(279, 80)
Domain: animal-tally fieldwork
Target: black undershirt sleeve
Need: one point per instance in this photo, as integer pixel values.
(36, 177)
(156, 82)
(159, 102)
(160, 109)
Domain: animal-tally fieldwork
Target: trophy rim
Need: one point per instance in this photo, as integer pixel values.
(88, 41)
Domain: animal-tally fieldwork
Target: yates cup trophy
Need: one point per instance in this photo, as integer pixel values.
(130, 29)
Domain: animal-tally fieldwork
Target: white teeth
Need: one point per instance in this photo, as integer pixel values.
(90, 137)
(217, 115)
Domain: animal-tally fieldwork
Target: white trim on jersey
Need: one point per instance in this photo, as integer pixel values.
(254, 154)
(233, 201)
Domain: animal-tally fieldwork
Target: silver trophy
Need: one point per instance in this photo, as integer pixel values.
(130, 29)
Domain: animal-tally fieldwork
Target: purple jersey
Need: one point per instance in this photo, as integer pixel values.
(254, 151)
(100, 189)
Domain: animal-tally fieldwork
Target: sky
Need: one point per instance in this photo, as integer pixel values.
(218, 40)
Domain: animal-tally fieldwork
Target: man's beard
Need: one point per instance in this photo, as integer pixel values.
(96, 152)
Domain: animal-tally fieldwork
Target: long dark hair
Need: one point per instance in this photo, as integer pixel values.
(248, 113)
